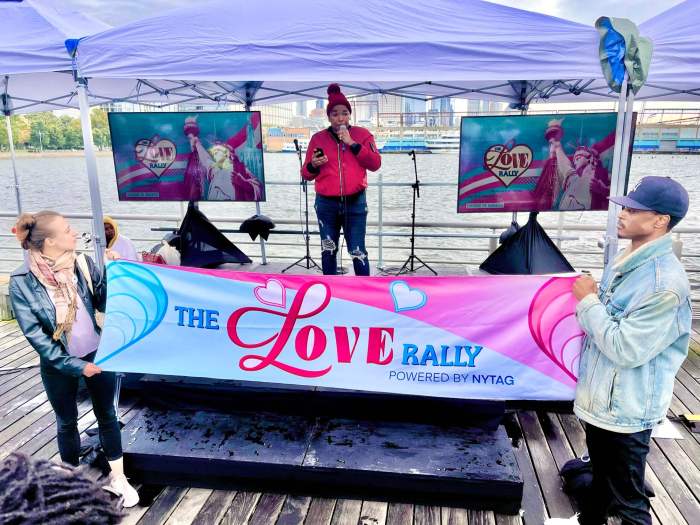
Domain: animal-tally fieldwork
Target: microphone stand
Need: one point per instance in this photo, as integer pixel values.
(306, 261)
(413, 257)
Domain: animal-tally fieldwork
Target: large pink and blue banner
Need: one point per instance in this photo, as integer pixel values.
(481, 337)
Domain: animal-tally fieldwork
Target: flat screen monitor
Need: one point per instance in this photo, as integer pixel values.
(188, 156)
(553, 162)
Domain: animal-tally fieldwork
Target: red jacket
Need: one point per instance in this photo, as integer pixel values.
(345, 173)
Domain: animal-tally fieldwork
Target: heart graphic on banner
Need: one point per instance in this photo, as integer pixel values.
(156, 154)
(314, 298)
(272, 294)
(407, 298)
(553, 325)
(508, 163)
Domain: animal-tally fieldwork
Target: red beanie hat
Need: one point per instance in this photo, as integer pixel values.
(336, 98)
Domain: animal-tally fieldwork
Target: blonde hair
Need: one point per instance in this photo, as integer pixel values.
(32, 229)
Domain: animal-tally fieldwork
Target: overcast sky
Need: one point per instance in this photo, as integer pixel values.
(584, 11)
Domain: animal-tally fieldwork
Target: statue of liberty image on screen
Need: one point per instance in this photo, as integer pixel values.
(196, 156)
(550, 162)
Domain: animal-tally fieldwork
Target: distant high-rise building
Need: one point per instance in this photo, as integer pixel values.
(365, 108)
(300, 108)
(485, 106)
(474, 106)
(275, 115)
(414, 112)
(389, 110)
(320, 103)
(444, 111)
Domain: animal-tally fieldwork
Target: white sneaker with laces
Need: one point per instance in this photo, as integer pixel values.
(573, 520)
(118, 484)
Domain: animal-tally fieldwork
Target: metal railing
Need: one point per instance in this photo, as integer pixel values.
(465, 243)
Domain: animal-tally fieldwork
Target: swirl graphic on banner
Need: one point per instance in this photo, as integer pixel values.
(136, 304)
(552, 320)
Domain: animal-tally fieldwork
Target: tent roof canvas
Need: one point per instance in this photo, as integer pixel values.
(675, 69)
(35, 68)
(367, 40)
(33, 35)
(459, 48)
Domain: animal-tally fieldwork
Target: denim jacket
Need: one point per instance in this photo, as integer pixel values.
(36, 315)
(638, 330)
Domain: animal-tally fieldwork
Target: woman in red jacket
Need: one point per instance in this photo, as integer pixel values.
(337, 161)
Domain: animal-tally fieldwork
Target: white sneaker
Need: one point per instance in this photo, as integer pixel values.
(118, 484)
(573, 520)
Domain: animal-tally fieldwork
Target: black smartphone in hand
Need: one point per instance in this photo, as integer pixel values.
(318, 152)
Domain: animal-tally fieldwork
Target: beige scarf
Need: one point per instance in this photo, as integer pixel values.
(58, 276)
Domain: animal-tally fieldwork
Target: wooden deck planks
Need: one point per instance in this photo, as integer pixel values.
(549, 440)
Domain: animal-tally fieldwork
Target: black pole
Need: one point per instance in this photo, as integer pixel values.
(307, 260)
(416, 194)
(408, 266)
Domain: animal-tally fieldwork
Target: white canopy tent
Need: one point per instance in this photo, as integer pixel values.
(33, 59)
(425, 49)
(36, 71)
(234, 51)
(231, 51)
(674, 73)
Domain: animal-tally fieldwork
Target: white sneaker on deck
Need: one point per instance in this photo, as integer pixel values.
(573, 520)
(118, 484)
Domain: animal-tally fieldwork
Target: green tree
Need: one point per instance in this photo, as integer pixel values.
(100, 128)
(72, 133)
(20, 132)
(45, 131)
(40, 131)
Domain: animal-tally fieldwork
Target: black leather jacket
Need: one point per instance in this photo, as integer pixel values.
(36, 315)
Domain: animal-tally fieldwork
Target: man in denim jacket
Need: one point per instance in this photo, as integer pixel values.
(638, 328)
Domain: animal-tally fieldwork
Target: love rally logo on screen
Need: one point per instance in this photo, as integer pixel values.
(156, 154)
(508, 163)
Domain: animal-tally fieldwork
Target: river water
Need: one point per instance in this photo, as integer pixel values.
(60, 183)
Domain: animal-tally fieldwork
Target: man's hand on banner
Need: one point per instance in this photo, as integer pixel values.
(584, 285)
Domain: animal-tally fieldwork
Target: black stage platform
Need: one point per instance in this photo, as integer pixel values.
(470, 467)
(219, 435)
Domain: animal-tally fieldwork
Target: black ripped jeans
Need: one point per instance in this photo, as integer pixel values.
(350, 214)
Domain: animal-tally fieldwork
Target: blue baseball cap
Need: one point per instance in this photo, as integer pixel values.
(660, 194)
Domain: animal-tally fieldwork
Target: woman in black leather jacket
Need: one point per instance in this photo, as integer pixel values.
(55, 309)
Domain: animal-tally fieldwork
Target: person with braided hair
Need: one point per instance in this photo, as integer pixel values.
(39, 492)
(56, 309)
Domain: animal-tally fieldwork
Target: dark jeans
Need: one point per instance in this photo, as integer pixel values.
(618, 462)
(62, 391)
(350, 214)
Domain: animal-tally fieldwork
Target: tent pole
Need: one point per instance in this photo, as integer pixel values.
(380, 219)
(98, 226)
(624, 154)
(248, 104)
(93, 182)
(262, 241)
(614, 209)
(11, 141)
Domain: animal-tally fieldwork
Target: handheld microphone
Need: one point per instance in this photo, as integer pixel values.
(342, 128)
(296, 144)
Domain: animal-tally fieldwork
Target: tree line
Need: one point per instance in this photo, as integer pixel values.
(46, 131)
